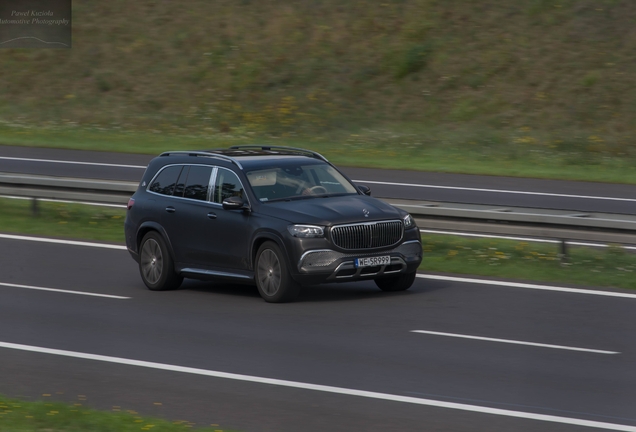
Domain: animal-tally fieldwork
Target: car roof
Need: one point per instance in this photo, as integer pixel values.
(252, 156)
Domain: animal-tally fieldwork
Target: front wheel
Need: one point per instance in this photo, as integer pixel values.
(273, 280)
(396, 283)
(155, 264)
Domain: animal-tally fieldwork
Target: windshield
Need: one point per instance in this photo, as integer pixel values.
(298, 181)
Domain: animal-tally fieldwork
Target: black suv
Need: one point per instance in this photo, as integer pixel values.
(279, 217)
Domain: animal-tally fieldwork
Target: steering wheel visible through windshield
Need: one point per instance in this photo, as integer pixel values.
(298, 181)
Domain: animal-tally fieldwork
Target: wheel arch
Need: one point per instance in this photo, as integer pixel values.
(148, 226)
(263, 237)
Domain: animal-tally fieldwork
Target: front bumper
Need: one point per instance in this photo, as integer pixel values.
(326, 265)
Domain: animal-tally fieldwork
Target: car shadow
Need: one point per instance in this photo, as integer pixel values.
(225, 288)
(335, 292)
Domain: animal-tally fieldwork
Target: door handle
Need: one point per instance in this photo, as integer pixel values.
(212, 215)
(170, 209)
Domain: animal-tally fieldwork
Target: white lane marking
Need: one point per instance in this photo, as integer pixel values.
(525, 285)
(72, 162)
(65, 201)
(498, 191)
(63, 291)
(510, 341)
(66, 242)
(528, 239)
(323, 388)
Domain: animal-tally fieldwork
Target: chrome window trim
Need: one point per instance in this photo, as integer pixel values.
(212, 182)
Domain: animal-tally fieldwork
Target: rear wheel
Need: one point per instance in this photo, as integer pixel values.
(396, 283)
(273, 280)
(155, 264)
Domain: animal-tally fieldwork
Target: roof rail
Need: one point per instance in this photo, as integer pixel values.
(290, 149)
(203, 154)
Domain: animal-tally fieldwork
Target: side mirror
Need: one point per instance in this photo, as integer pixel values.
(365, 189)
(234, 203)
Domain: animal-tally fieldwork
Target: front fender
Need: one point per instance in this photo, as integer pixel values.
(262, 236)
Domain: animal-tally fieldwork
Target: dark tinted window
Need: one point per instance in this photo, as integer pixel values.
(198, 182)
(227, 185)
(178, 190)
(164, 183)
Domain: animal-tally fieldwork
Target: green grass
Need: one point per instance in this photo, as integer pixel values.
(18, 415)
(604, 267)
(536, 88)
(608, 267)
(63, 220)
(523, 152)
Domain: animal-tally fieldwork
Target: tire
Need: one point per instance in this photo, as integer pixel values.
(396, 283)
(273, 280)
(156, 265)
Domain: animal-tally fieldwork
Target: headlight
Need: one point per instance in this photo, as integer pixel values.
(306, 230)
(408, 221)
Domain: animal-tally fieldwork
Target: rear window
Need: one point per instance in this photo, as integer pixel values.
(165, 182)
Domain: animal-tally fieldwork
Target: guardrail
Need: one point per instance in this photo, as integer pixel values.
(467, 218)
(63, 188)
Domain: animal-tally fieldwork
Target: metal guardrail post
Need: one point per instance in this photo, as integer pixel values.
(563, 251)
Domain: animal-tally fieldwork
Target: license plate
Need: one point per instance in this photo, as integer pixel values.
(373, 261)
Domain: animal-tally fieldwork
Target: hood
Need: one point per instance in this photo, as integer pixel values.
(331, 210)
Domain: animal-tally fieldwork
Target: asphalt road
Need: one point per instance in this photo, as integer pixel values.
(437, 187)
(347, 336)
(572, 356)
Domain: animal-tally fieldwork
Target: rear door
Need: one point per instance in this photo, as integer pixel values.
(189, 219)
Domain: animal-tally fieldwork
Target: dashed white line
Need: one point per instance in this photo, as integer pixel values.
(497, 191)
(324, 388)
(515, 342)
(65, 242)
(63, 291)
(527, 286)
(73, 162)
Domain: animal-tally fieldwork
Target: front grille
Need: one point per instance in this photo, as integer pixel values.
(368, 235)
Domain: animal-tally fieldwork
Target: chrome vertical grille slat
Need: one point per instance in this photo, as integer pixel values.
(368, 235)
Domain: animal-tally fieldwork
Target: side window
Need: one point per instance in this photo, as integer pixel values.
(180, 187)
(198, 182)
(227, 185)
(165, 182)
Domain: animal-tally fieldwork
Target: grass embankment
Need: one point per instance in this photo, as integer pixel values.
(536, 88)
(610, 267)
(446, 151)
(55, 219)
(23, 416)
